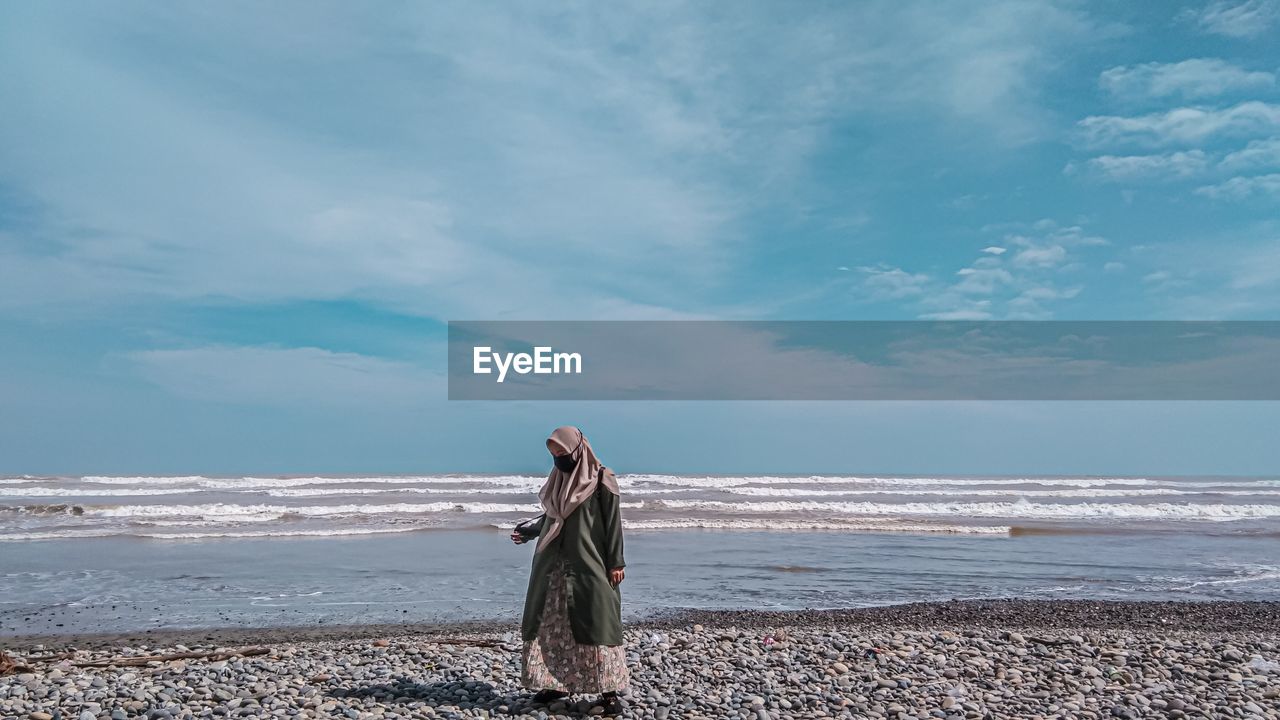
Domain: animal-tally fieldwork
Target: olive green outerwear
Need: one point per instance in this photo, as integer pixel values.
(589, 545)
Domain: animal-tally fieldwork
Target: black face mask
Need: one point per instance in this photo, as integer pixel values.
(565, 463)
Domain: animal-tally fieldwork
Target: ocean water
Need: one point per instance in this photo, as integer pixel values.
(127, 553)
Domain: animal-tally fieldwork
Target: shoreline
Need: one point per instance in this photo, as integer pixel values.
(1211, 616)
(964, 660)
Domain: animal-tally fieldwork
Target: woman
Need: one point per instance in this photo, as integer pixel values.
(572, 624)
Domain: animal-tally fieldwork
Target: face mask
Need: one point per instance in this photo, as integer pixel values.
(565, 463)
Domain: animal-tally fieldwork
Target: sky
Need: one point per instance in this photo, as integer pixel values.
(231, 235)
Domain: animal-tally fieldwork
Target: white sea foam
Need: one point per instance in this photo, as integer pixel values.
(327, 532)
(235, 513)
(641, 480)
(263, 483)
(770, 524)
(985, 492)
(1020, 509)
(285, 505)
(1243, 574)
(248, 483)
(89, 492)
(733, 481)
(56, 535)
(507, 487)
(323, 492)
(283, 532)
(20, 480)
(143, 480)
(528, 490)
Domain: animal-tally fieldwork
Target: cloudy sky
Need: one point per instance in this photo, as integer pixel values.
(230, 235)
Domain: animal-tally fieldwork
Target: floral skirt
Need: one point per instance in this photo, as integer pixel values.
(555, 661)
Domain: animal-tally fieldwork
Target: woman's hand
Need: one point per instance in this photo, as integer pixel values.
(616, 576)
(517, 538)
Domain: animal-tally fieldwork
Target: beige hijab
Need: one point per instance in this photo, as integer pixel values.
(564, 492)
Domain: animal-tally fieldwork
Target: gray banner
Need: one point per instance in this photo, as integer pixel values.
(864, 360)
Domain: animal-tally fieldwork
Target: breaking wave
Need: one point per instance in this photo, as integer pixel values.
(1020, 509)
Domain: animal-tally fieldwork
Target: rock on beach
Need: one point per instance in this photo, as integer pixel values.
(726, 665)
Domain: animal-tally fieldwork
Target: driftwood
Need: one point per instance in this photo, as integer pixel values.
(8, 666)
(51, 658)
(214, 655)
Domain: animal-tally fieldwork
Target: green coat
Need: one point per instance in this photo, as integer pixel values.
(590, 544)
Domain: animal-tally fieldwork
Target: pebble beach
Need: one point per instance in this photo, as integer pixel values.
(951, 660)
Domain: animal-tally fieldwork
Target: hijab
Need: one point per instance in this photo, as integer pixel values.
(565, 491)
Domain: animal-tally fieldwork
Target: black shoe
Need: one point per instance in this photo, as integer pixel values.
(546, 697)
(612, 704)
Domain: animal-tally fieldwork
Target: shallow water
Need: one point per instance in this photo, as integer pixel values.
(127, 583)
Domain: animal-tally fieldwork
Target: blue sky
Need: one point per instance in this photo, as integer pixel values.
(230, 236)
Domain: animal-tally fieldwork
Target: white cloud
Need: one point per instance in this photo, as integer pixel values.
(1192, 79)
(1165, 281)
(1257, 154)
(1048, 234)
(1185, 125)
(1234, 18)
(1183, 164)
(891, 283)
(1239, 188)
(1128, 168)
(297, 377)
(1020, 281)
(1029, 304)
(1041, 256)
(982, 279)
(410, 158)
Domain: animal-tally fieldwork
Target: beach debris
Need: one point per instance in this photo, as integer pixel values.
(980, 674)
(9, 666)
(221, 654)
(50, 658)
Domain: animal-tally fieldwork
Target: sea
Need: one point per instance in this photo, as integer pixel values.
(107, 554)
